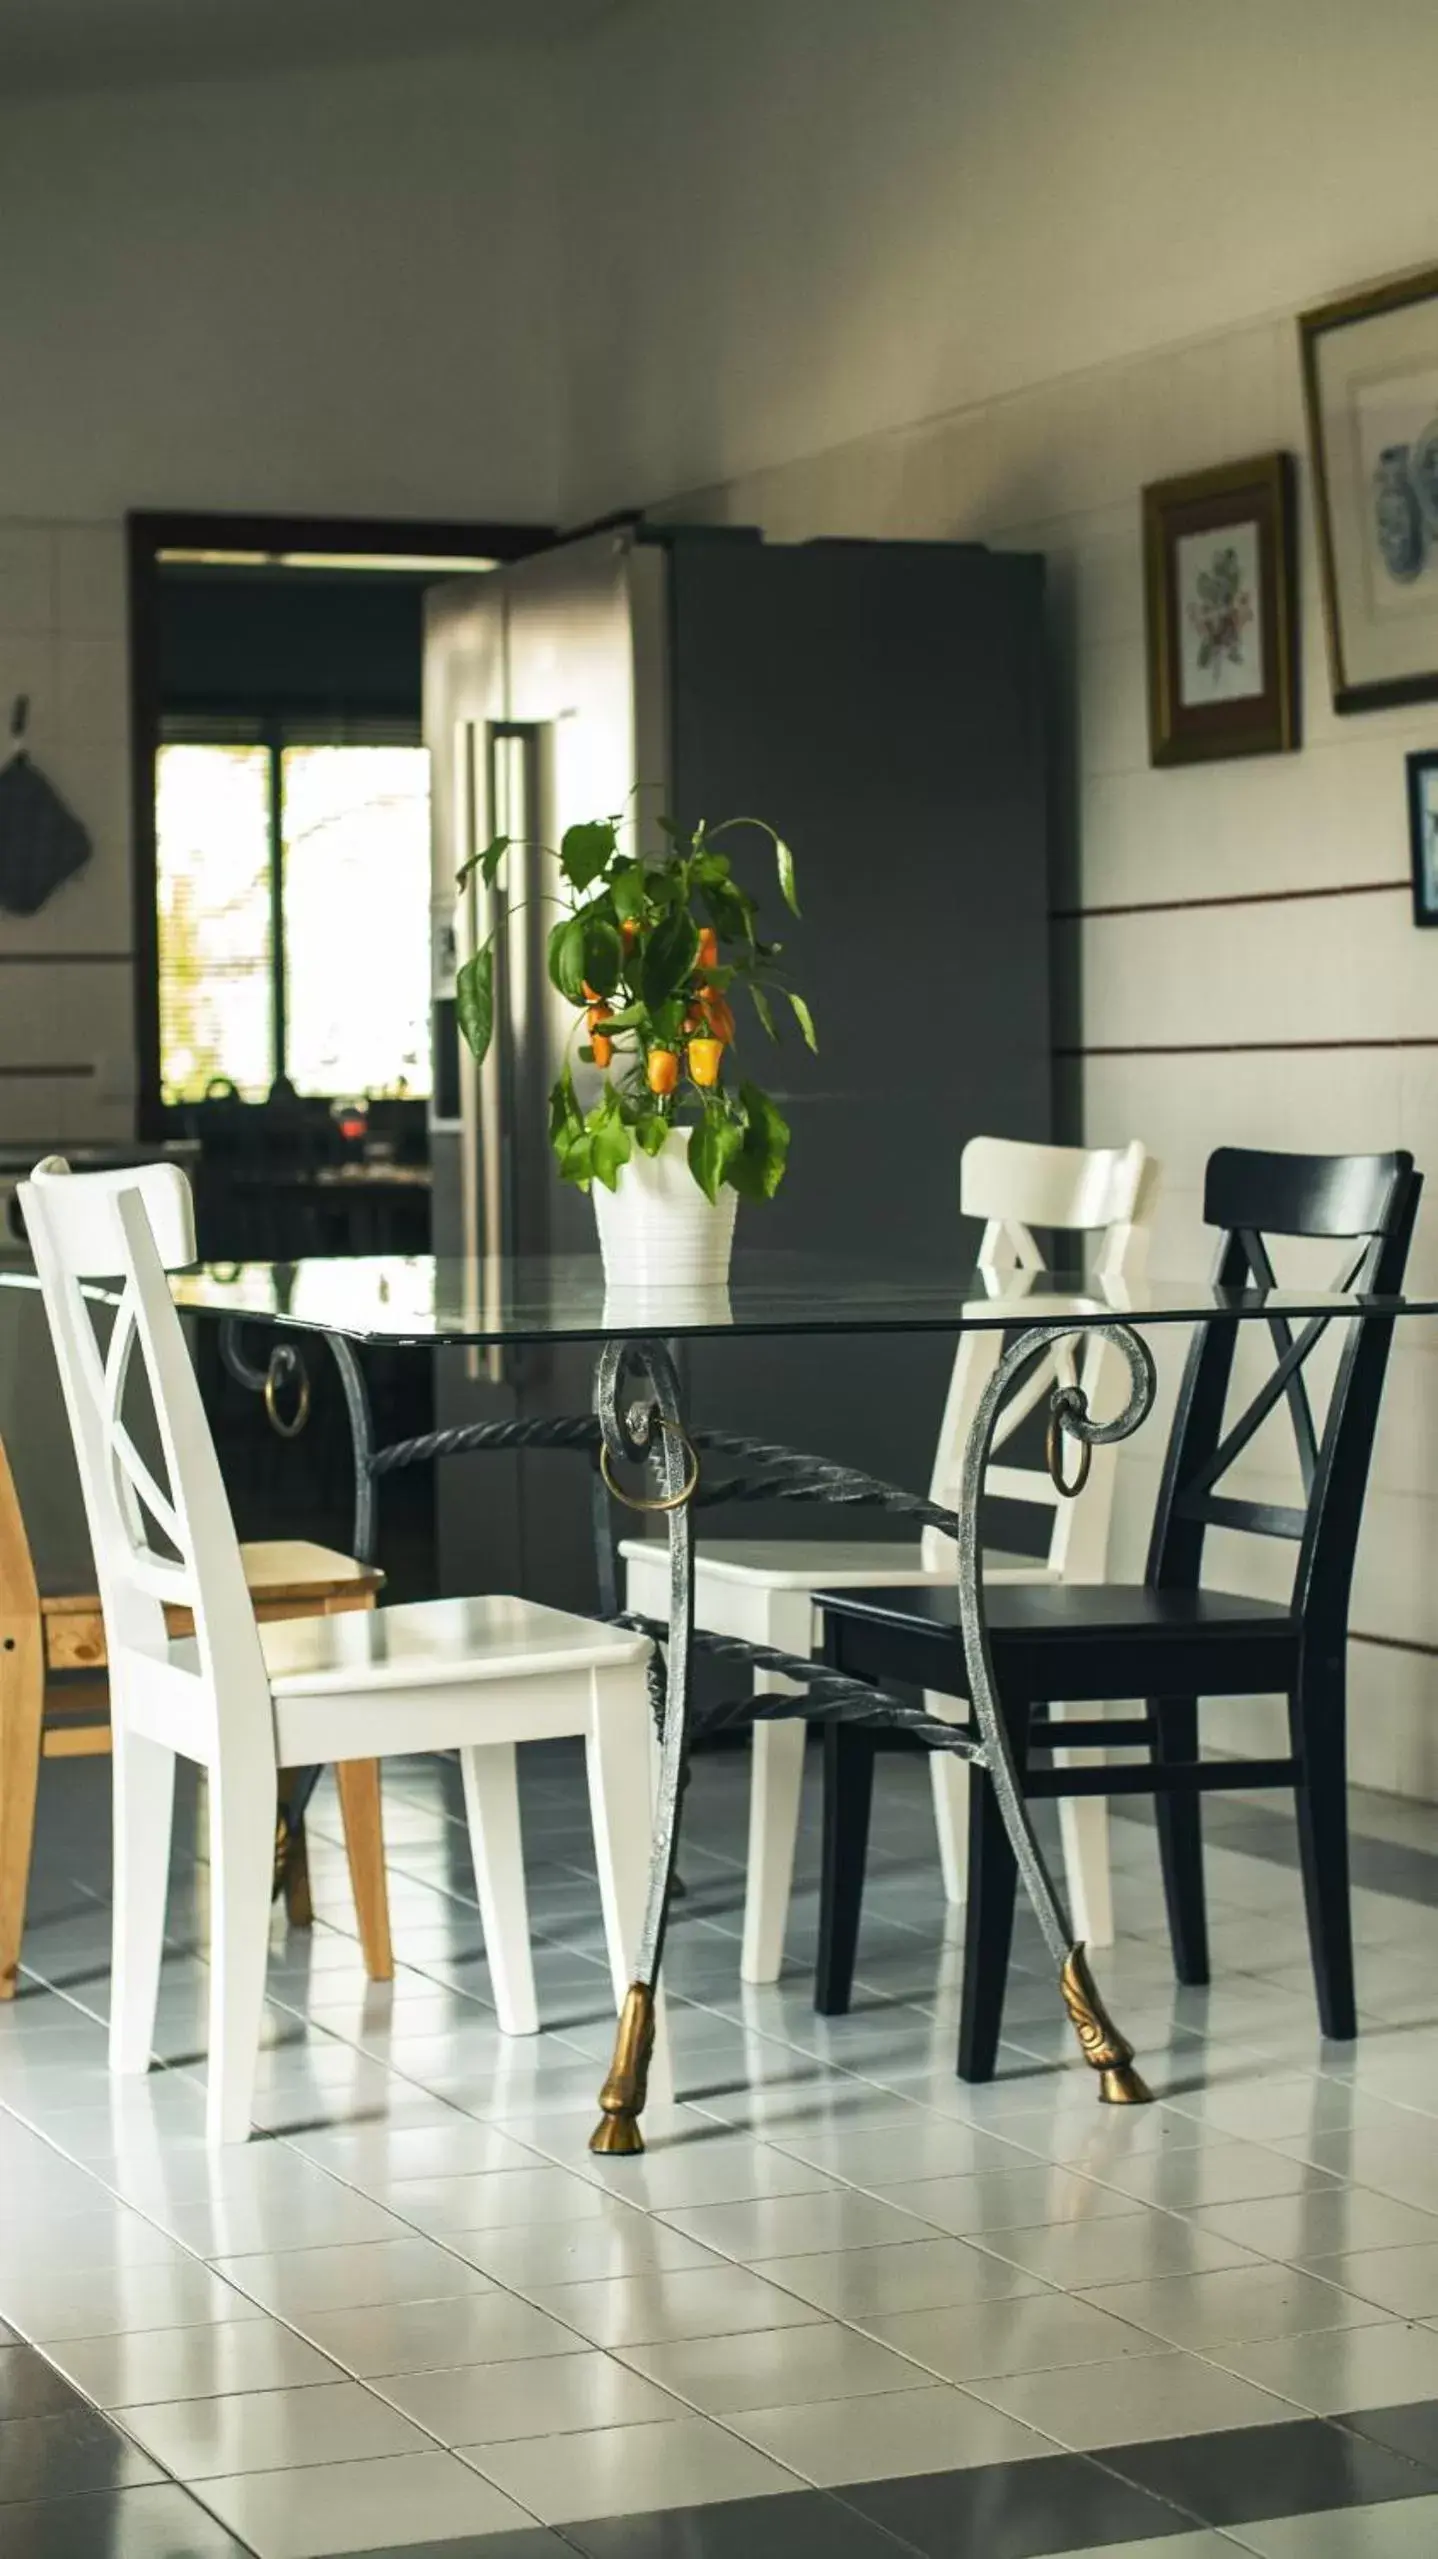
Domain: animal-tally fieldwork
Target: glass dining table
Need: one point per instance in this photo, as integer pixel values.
(650, 1455)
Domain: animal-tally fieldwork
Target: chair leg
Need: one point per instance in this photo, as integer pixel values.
(848, 1797)
(243, 1811)
(989, 1926)
(1088, 1866)
(143, 1790)
(1174, 1724)
(776, 1784)
(1317, 1714)
(949, 1779)
(491, 1798)
(22, 1717)
(293, 1850)
(620, 1768)
(362, 1812)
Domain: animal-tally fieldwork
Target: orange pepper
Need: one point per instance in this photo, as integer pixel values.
(661, 1070)
(708, 947)
(718, 1012)
(603, 1048)
(705, 1058)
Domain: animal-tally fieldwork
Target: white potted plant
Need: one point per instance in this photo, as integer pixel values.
(650, 950)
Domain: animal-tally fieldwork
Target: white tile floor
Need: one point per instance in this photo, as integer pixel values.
(416, 2312)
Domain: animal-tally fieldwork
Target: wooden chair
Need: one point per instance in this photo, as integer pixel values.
(1166, 1640)
(763, 1589)
(45, 1631)
(242, 1701)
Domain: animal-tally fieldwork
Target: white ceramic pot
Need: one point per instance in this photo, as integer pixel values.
(657, 1230)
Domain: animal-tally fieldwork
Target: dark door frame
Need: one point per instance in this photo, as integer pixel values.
(147, 534)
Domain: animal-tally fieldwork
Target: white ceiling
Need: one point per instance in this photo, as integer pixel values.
(81, 44)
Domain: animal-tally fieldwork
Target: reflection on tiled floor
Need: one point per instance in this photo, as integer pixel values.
(845, 2307)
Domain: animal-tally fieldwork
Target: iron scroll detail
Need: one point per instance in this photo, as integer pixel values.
(1104, 2048)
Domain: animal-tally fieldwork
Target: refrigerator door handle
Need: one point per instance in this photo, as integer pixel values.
(482, 1087)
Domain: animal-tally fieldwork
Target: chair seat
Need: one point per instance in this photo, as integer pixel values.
(1074, 1641)
(436, 1643)
(278, 1570)
(835, 1563)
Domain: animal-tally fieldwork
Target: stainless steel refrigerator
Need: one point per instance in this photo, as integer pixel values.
(882, 704)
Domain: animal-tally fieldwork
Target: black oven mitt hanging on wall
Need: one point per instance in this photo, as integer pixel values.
(42, 842)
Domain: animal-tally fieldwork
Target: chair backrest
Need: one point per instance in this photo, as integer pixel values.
(1367, 1203)
(1106, 1193)
(153, 1543)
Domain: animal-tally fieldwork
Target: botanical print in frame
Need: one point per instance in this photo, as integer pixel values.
(1219, 588)
(1423, 835)
(1370, 387)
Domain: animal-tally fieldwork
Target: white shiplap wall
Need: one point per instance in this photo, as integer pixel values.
(1197, 1025)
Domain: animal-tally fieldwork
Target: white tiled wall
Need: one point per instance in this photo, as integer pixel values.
(62, 643)
(1059, 469)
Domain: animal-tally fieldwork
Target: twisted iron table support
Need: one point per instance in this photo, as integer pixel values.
(637, 1420)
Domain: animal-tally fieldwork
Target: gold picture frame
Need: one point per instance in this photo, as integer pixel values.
(1370, 395)
(1219, 595)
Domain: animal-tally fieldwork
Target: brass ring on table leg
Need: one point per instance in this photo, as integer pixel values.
(1054, 1456)
(285, 1365)
(655, 1501)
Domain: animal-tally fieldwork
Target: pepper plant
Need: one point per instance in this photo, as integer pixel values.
(652, 950)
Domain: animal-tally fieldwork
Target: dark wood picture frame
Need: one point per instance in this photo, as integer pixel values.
(1423, 816)
(1353, 691)
(1256, 493)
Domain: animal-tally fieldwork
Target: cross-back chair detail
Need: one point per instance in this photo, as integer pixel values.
(1375, 1219)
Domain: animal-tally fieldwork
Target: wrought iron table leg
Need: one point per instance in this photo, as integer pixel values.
(1104, 2048)
(636, 1395)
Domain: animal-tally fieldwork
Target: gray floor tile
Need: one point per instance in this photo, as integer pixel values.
(31, 2387)
(133, 2523)
(924, 2274)
(1127, 2246)
(623, 2242)
(312, 2280)
(630, 2470)
(505, 2403)
(1342, 2368)
(98, 2303)
(1015, 2510)
(796, 2225)
(640, 2309)
(1006, 2199)
(1400, 2279)
(1308, 2466)
(807, 2524)
(494, 2199)
(1236, 2304)
(889, 2435)
(1406, 2531)
(997, 2337)
(272, 2430)
(317, 2514)
(1297, 2228)
(71, 2453)
(431, 2336)
(1135, 2401)
(772, 2369)
(191, 2363)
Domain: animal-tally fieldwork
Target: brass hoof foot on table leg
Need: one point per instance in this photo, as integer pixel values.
(1103, 2047)
(621, 2098)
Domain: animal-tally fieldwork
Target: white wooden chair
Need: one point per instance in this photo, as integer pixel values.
(762, 1589)
(243, 1700)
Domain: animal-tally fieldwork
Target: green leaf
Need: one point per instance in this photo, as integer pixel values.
(566, 957)
(610, 1142)
(584, 850)
(565, 1117)
(785, 861)
(650, 1132)
(486, 861)
(805, 1020)
(603, 953)
(669, 956)
(626, 887)
(758, 1167)
(730, 909)
(713, 1145)
(762, 1007)
(575, 1159)
(474, 1001)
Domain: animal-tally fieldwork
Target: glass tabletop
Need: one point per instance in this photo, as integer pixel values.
(423, 1301)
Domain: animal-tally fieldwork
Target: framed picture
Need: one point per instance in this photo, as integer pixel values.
(1423, 834)
(1219, 592)
(1370, 386)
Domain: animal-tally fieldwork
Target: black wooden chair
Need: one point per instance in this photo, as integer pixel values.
(1166, 1640)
